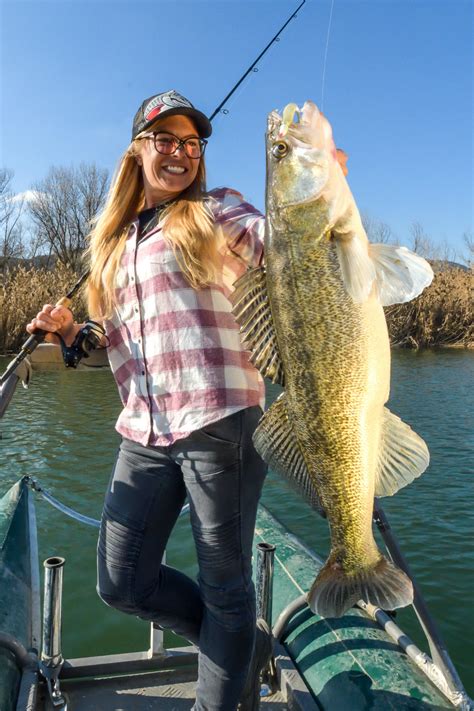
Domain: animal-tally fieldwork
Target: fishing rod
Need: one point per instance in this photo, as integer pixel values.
(276, 38)
(38, 335)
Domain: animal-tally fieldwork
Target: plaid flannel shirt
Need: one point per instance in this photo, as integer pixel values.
(175, 351)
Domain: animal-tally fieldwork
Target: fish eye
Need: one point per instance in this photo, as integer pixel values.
(280, 149)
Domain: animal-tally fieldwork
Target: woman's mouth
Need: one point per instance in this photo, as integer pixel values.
(174, 169)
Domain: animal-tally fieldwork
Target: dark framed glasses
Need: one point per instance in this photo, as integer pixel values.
(167, 144)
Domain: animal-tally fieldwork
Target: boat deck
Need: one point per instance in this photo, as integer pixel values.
(143, 692)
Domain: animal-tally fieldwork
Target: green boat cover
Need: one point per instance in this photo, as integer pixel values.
(15, 586)
(349, 663)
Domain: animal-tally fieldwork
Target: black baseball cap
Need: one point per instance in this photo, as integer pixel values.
(169, 103)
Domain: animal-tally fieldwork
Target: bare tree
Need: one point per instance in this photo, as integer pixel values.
(468, 240)
(421, 243)
(65, 203)
(378, 231)
(11, 244)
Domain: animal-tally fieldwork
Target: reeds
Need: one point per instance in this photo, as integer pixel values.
(442, 315)
(23, 291)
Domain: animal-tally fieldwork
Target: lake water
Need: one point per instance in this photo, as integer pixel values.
(61, 431)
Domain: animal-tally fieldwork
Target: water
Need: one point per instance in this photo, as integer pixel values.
(61, 431)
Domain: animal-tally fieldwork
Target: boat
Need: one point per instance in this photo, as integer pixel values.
(359, 661)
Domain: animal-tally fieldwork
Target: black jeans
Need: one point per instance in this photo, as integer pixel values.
(222, 475)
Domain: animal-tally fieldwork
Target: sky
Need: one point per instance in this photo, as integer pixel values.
(394, 78)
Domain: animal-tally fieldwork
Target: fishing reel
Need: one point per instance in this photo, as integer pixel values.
(88, 339)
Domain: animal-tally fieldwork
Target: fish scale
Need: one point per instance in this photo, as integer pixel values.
(313, 321)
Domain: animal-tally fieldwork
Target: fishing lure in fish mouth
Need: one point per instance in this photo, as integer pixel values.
(287, 119)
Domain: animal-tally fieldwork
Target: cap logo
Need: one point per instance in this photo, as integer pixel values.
(170, 100)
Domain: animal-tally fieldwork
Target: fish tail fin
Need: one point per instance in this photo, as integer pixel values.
(384, 585)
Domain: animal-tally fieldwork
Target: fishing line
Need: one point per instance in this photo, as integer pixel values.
(326, 55)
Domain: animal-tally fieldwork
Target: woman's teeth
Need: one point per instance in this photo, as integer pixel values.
(177, 169)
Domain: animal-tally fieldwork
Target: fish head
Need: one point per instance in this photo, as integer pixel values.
(300, 156)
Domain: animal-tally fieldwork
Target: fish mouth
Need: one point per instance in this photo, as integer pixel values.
(280, 125)
(287, 118)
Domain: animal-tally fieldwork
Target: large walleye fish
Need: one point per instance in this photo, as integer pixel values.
(313, 320)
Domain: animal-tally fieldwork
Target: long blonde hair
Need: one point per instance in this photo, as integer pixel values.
(189, 228)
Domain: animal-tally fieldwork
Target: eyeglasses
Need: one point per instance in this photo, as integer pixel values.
(167, 144)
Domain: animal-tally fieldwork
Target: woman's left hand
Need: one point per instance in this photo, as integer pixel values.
(342, 159)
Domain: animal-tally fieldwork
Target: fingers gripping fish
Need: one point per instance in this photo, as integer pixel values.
(313, 321)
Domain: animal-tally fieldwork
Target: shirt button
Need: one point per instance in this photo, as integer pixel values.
(143, 372)
(132, 278)
(139, 340)
(136, 309)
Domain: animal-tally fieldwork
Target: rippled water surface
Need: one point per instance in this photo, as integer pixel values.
(62, 431)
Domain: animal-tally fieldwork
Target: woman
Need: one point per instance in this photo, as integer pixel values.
(164, 254)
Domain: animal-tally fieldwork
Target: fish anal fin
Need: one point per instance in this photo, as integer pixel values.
(251, 309)
(403, 455)
(334, 591)
(276, 443)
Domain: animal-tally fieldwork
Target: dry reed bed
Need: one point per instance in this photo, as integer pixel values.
(442, 315)
(22, 294)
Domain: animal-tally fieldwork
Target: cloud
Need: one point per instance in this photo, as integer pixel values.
(27, 196)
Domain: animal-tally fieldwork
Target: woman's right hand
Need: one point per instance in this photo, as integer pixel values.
(55, 319)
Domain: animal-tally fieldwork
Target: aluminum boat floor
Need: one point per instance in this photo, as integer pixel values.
(142, 692)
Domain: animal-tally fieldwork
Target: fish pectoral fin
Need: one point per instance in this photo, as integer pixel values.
(403, 455)
(400, 273)
(251, 308)
(358, 271)
(276, 443)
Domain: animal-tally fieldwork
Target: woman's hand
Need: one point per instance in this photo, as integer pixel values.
(342, 158)
(55, 319)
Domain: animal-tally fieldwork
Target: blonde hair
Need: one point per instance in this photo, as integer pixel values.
(189, 228)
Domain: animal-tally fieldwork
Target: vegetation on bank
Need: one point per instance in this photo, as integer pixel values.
(442, 315)
(23, 292)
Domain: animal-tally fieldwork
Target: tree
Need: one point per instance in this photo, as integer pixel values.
(468, 240)
(63, 208)
(11, 244)
(377, 231)
(421, 243)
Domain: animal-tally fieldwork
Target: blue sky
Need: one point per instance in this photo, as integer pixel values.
(398, 91)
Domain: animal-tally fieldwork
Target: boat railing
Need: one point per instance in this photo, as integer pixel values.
(439, 669)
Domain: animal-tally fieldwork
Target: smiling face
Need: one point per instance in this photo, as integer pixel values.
(166, 176)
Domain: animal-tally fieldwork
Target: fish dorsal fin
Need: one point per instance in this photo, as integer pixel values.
(358, 270)
(251, 309)
(403, 455)
(400, 273)
(276, 443)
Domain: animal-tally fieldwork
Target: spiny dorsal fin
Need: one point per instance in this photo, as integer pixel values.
(403, 456)
(276, 443)
(251, 309)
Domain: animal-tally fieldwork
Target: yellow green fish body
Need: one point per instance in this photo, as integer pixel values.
(324, 337)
